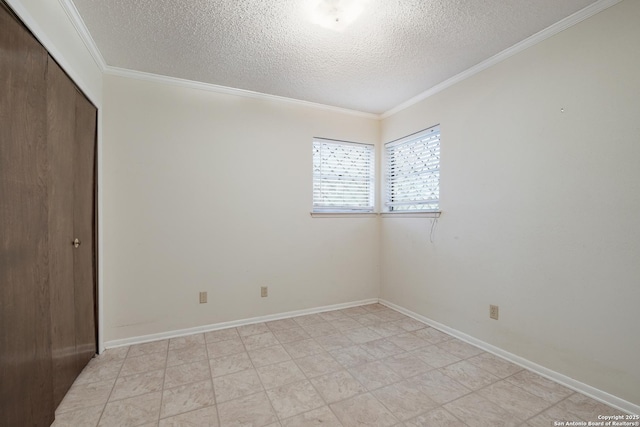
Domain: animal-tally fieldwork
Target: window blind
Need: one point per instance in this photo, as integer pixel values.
(343, 176)
(413, 172)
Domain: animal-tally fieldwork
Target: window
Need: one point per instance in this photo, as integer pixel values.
(413, 172)
(343, 176)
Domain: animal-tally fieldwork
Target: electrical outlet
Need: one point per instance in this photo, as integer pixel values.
(203, 297)
(493, 312)
(264, 291)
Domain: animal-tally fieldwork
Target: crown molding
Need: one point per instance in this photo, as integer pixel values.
(38, 32)
(175, 81)
(75, 18)
(540, 36)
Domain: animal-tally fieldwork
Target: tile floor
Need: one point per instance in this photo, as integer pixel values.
(361, 366)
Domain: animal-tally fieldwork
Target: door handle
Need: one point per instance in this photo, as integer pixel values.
(76, 242)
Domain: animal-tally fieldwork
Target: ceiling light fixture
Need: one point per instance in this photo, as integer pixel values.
(336, 14)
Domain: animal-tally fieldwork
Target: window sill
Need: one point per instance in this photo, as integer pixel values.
(343, 214)
(410, 214)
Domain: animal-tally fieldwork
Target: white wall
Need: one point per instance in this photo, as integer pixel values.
(540, 208)
(212, 192)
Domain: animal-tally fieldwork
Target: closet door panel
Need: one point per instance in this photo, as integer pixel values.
(25, 352)
(61, 110)
(84, 226)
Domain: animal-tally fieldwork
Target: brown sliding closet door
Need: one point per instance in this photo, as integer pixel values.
(47, 200)
(84, 267)
(26, 397)
(61, 114)
(71, 139)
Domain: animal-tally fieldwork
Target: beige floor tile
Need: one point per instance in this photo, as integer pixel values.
(221, 335)
(303, 348)
(321, 417)
(374, 375)
(345, 324)
(333, 315)
(135, 385)
(189, 354)
(494, 365)
(186, 398)
(237, 385)
(280, 374)
(389, 315)
(460, 349)
(363, 410)
(186, 341)
(269, 355)
(469, 375)
(148, 348)
(386, 329)
(292, 334)
(436, 357)
(432, 335)
(254, 410)
(438, 386)
(408, 341)
(352, 356)
(205, 417)
(255, 342)
(439, 417)
(374, 308)
(99, 370)
(320, 329)
(539, 386)
(586, 408)
(308, 319)
(82, 396)
(293, 399)
(282, 324)
(410, 325)
(86, 417)
(318, 364)
(224, 348)
(255, 329)
(140, 364)
(362, 335)
(133, 411)
(404, 401)
(514, 400)
(354, 311)
(230, 364)
(337, 386)
(334, 342)
(553, 415)
(407, 365)
(397, 372)
(476, 411)
(187, 373)
(368, 319)
(382, 348)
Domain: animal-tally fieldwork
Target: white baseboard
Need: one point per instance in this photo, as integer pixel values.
(566, 381)
(233, 324)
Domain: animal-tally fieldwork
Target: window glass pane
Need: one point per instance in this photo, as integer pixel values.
(413, 172)
(343, 176)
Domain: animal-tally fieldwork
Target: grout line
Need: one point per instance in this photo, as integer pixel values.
(213, 387)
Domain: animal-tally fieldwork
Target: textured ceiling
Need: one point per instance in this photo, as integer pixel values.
(395, 50)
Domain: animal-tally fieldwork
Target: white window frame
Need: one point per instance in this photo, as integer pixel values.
(322, 178)
(406, 203)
